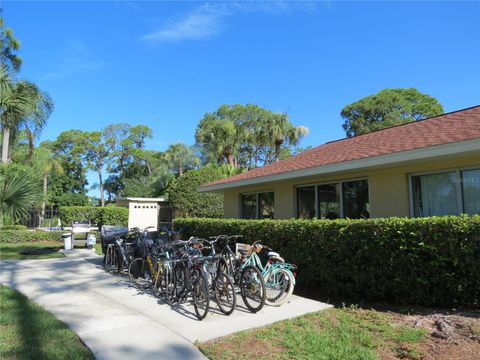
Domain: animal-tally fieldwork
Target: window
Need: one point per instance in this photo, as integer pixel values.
(356, 204)
(258, 205)
(471, 191)
(265, 206)
(329, 201)
(306, 202)
(447, 193)
(332, 201)
(249, 206)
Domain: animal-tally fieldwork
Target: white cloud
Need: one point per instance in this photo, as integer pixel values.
(208, 20)
(201, 23)
(76, 58)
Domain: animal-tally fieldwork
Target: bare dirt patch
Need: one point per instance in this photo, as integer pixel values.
(450, 336)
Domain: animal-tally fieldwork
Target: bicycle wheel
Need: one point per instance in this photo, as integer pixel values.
(180, 280)
(230, 263)
(279, 286)
(252, 288)
(225, 294)
(140, 274)
(201, 297)
(166, 278)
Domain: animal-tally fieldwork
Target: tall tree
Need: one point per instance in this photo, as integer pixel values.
(218, 138)
(98, 154)
(9, 45)
(22, 106)
(387, 108)
(69, 149)
(46, 163)
(181, 156)
(282, 132)
(245, 135)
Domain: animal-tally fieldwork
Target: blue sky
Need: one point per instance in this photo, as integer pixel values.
(165, 64)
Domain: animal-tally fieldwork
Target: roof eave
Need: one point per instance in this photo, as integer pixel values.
(459, 147)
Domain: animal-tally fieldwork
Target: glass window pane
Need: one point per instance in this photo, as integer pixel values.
(471, 191)
(249, 206)
(329, 201)
(435, 194)
(356, 204)
(306, 202)
(265, 205)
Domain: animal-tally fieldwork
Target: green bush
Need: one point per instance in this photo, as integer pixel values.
(99, 216)
(187, 201)
(14, 236)
(13, 227)
(425, 261)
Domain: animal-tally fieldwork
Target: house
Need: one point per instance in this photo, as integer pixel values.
(424, 168)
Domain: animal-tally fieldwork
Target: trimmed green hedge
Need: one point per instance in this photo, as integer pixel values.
(110, 215)
(14, 236)
(425, 261)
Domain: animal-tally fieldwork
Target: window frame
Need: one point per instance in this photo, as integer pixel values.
(458, 185)
(333, 182)
(257, 208)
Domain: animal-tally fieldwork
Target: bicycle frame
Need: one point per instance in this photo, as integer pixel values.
(270, 267)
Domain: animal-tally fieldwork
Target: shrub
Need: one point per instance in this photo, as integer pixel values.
(99, 216)
(425, 261)
(187, 201)
(14, 236)
(13, 227)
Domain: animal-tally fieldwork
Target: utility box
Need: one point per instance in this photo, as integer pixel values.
(142, 212)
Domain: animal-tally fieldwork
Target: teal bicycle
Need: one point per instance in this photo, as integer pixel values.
(279, 276)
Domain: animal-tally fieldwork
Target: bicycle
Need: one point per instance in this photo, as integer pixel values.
(190, 277)
(247, 276)
(221, 285)
(278, 275)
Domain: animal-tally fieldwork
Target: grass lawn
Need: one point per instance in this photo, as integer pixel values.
(29, 332)
(343, 333)
(13, 251)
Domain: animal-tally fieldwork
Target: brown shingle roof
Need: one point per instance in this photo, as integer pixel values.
(443, 129)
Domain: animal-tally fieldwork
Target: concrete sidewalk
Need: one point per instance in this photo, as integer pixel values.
(116, 320)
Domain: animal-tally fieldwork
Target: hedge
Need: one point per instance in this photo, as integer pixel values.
(14, 236)
(424, 261)
(110, 215)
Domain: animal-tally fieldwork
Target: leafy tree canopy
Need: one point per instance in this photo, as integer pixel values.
(245, 135)
(387, 108)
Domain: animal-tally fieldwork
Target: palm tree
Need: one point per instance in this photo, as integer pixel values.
(22, 106)
(19, 193)
(218, 139)
(8, 46)
(180, 155)
(282, 132)
(45, 162)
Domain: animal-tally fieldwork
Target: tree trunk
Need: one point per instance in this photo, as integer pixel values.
(42, 211)
(278, 145)
(230, 159)
(31, 145)
(5, 144)
(180, 168)
(100, 183)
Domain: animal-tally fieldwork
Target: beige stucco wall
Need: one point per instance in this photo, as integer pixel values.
(388, 186)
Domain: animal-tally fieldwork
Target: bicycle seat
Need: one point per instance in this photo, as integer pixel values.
(273, 253)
